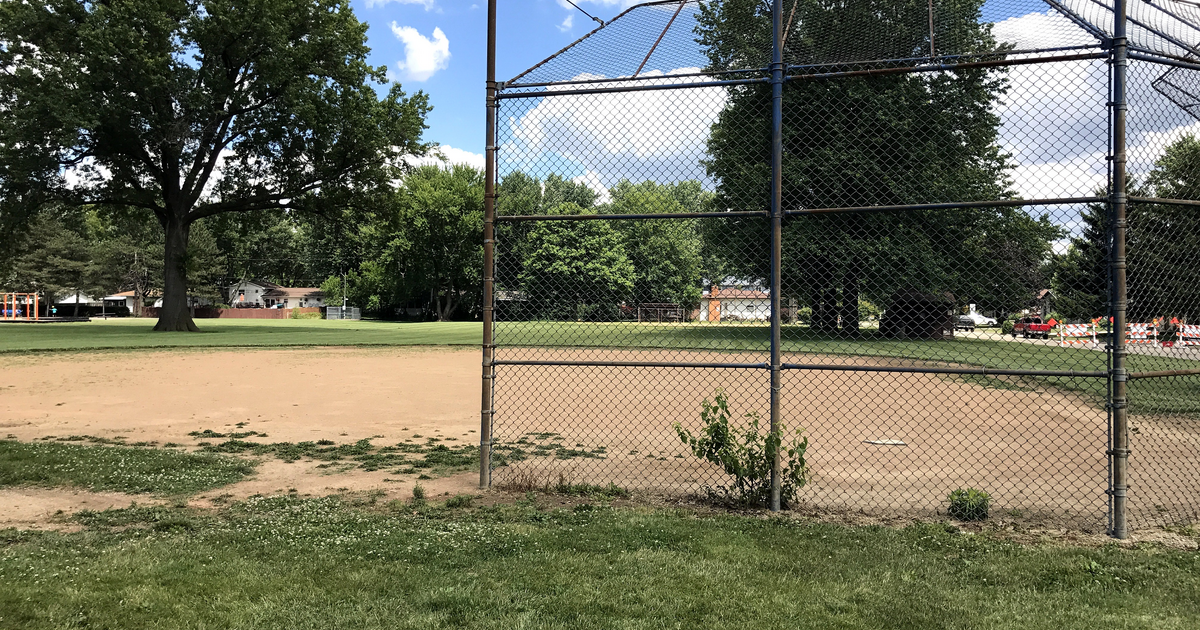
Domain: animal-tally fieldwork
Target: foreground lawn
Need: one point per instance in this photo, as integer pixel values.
(136, 333)
(320, 563)
(116, 468)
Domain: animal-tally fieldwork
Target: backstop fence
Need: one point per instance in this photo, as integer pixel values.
(953, 243)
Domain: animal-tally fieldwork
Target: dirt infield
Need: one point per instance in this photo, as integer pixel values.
(292, 395)
(1038, 449)
(878, 442)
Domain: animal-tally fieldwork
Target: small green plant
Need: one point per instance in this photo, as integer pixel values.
(418, 493)
(969, 504)
(1006, 327)
(747, 454)
(459, 501)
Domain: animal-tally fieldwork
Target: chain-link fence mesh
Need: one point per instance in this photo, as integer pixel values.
(946, 294)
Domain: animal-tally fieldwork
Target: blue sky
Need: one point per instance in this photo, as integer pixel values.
(439, 46)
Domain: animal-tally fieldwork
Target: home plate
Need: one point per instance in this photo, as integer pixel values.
(886, 442)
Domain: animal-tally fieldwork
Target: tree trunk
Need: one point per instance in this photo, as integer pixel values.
(76, 312)
(850, 301)
(824, 295)
(174, 315)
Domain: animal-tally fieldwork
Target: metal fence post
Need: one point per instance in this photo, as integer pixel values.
(1119, 447)
(776, 235)
(489, 258)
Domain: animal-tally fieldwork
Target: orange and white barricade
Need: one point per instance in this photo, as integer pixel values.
(1071, 334)
(1189, 335)
(1141, 334)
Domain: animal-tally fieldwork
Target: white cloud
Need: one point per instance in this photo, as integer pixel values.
(591, 179)
(567, 23)
(658, 135)
(446, 155)
(428, 4)
(422, 57)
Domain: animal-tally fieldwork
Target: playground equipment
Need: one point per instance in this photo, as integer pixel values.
(16, 306)
(1070, 334)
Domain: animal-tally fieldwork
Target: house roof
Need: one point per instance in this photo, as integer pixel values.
(258, 283)
(718, 293)
(293, 292)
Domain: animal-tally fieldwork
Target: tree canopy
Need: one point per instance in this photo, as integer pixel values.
(865, 141)
(192, 108)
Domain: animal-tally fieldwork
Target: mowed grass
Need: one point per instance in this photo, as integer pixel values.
(319, 563)
(134, 470)
(138, 333)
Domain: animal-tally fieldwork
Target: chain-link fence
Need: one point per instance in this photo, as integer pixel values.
(954, 242)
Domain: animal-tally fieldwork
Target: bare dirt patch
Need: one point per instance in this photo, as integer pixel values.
(42, 508)
(291, 395)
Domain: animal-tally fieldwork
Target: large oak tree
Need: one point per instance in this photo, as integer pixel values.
(192, 108)
(884, 140)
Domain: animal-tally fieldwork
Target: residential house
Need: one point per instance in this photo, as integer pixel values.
(294, 297)
(250, 294)
(737, 303)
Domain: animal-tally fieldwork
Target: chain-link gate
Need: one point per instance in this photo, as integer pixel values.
(953, 242)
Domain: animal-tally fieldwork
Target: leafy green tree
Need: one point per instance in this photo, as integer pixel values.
(858, 141)
(441, 211)
(1080, 276)
(576, 269)
(665, 254)
(264, 245)
(334, 290)
(1163, 275)
(193, 108)
(55, 261)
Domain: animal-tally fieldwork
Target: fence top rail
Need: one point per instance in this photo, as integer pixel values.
(671, 39)
(901, 64)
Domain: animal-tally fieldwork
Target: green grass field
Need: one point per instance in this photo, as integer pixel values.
(321, 563)
(127, 469)
(133, 334)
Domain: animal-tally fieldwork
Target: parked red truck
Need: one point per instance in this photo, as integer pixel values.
(1032, 328)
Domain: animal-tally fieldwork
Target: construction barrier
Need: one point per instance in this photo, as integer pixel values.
(1071, 334)
(1141, 334)
(1189, 335)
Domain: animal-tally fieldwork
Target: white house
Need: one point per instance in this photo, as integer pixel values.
(249, 293)
(117, 300)
(71, 299)
(294, 297)
(735, 304)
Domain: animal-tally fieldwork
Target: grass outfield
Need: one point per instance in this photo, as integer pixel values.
(137, 333)
(321, 563)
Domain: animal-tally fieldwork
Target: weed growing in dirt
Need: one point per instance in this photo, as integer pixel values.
(459, 501)
(116, 468)
(209, 433)
(429, 459)
(747, 455)
(969, 504)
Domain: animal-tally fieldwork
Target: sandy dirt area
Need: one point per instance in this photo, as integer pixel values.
(878, 442)
(292, 395)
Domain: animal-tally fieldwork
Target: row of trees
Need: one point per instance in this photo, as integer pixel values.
(1162, 275)
(168, 144)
